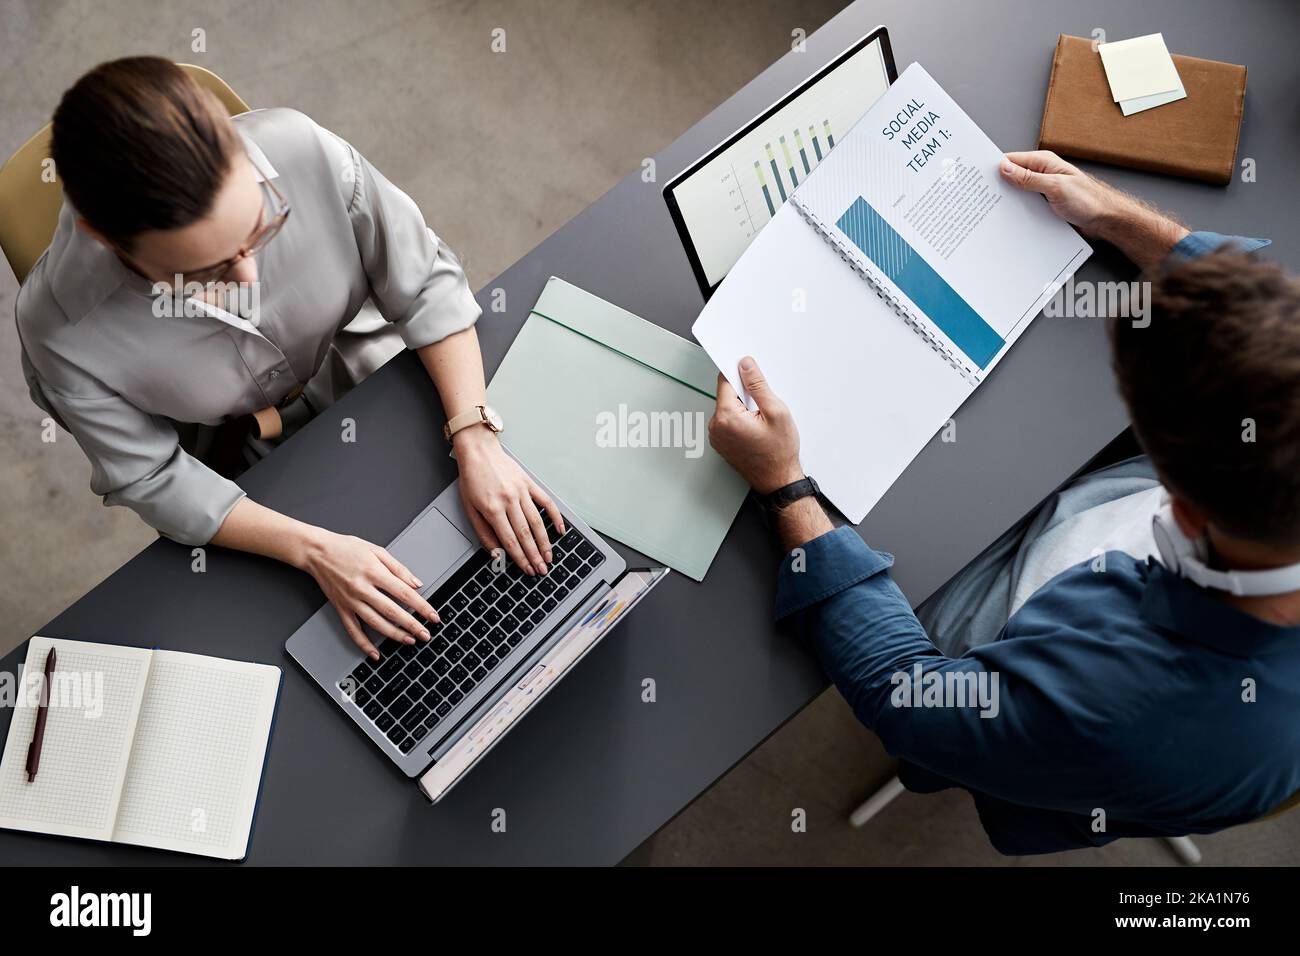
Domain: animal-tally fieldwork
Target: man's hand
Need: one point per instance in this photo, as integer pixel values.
(501, 500)
(1075, 196)
(1098, 210)
(762, 445)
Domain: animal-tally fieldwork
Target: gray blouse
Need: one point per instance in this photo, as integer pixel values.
(121, 379)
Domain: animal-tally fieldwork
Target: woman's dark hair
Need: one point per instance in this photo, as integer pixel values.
(138, 145)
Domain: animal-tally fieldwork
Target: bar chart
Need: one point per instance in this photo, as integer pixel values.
(728, 196)
(787, 169)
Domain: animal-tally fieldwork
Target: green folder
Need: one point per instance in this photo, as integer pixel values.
(610, 411)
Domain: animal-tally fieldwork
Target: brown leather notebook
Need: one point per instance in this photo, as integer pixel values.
(1195, 137)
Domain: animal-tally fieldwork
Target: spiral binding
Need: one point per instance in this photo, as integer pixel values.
(891, 300)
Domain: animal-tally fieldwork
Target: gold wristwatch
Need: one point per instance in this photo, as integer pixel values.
(478, 415)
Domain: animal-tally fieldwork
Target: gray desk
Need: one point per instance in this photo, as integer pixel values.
(595, 771)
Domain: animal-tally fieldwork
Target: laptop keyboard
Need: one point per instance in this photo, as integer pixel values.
(485, 614)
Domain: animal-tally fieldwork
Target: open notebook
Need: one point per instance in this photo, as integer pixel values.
(149, 747)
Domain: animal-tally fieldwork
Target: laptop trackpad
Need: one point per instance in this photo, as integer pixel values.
(430, 546)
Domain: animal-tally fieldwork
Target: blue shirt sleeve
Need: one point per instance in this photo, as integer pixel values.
(1014, 739)
(1196, 244)
(836, 593)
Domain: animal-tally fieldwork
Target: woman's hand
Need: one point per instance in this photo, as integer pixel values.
(502, 500)
(367, 585)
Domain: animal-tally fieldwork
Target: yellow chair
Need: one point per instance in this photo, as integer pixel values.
(30, 198)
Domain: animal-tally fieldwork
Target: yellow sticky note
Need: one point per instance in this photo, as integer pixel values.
(1138, 67)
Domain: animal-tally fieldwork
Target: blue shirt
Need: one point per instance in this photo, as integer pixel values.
(1123, 701)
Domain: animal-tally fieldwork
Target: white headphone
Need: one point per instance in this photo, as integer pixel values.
(1187, 558)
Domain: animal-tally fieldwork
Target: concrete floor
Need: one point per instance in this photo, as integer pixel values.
(498, 150)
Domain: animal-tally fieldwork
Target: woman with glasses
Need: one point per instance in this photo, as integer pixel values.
(209, 287)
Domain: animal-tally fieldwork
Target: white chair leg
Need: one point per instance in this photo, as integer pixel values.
(1184, 849)
(876, 802)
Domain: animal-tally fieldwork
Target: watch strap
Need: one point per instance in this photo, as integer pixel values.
(472, 416)
(787, 495)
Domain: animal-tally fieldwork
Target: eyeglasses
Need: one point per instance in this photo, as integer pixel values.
(263, 234)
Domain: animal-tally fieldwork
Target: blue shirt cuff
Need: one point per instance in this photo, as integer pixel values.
(1196, 244)
(823, 567)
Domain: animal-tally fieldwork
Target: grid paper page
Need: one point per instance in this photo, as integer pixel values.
(89, 724)
(200, 744)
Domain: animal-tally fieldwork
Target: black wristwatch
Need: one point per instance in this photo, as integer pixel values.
(787, 495)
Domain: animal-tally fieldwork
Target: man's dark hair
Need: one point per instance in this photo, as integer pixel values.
(1213, 389)
(138, 145)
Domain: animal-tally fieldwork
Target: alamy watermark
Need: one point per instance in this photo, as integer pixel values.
(68, 689)
(80, 908)
(632, 428)
(956, 689)
(1101, 300)
(195, 299)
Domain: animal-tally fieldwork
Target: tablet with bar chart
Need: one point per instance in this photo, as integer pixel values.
(722, 200)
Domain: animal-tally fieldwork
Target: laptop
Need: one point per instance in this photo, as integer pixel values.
(505, 640)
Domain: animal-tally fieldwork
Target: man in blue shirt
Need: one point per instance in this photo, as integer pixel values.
(1080, 689)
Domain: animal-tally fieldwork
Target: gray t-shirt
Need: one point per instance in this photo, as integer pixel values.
(1106, 510)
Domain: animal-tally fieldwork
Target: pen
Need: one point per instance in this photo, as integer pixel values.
(38, 735)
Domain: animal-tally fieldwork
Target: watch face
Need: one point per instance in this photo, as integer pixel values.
(493, 418)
